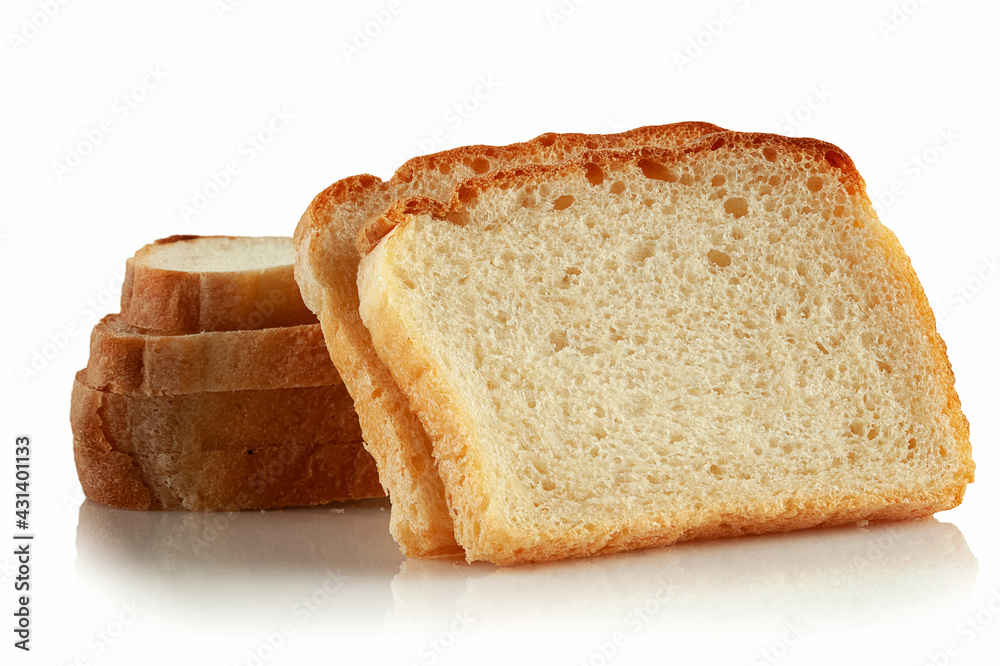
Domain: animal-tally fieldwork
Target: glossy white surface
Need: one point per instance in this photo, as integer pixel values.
(190, 89)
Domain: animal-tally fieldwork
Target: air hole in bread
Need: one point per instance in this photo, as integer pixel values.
(528, 202)
(559, 340)
(857, 428)
(563, 202)
(814, 183)
(643, 251)
(770, 154)
(655, 171)
(376, 394)
(884, 367)
(617, 187)
(547, 139)
(595, 174)
(718, 258)
(480, 165)
(687, 179)
(736, 206)
(835, 159)
(838, 211)
(738, 234)
(570, 277)
(444, 168)
(466, 194)
(822, 348)
(719, 143)
(718, 180)
(591, 144)
(405, 279)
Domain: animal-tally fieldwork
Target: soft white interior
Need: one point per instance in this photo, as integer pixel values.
(207, 255)
(650, 340)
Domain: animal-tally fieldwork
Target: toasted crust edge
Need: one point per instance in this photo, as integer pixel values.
(179, 302)
(275, 476)
(133, 360)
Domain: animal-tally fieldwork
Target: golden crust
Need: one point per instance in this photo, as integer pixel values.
(377, 227)
(436, 402)
(178, 302)
(326, 269)
(124, 359)
(219, 451)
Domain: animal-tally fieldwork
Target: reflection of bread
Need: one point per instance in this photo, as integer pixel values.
(126, 359)
(216, 451)
(640, 347)
(189, 284)
(353, 537)
(919, 573)
(340, 558)
(326, 269)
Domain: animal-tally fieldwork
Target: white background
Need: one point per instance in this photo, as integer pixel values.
(908, 89)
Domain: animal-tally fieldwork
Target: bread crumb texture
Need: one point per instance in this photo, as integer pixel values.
(635, 346)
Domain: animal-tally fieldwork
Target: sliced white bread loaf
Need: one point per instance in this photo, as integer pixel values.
(220, 450)
(125, 359)
(639, 347)
(326, 269)
(190, 284)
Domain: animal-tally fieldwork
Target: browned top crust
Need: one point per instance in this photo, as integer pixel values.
(356, 189)
(654, 162)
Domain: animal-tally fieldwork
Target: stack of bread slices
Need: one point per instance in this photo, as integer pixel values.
(213, 389)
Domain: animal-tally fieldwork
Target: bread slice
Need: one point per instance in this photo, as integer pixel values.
(220, 451)
(326, 269)
(190, 284)
(639, 347)
(125, 359)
